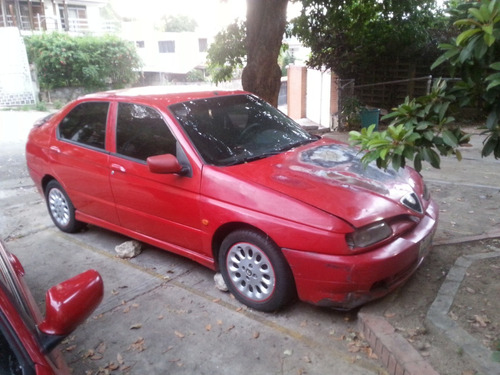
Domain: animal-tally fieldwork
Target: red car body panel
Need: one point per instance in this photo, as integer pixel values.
(306, 208)
(71, 302)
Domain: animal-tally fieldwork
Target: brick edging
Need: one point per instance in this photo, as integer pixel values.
(396, 354)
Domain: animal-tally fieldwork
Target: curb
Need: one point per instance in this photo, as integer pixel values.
(438, 314)
(400, 357)
(396, 354)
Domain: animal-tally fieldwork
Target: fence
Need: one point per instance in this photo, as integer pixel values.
(385, 95)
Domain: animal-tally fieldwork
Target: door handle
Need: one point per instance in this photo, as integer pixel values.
(117, 168)
(55, 149)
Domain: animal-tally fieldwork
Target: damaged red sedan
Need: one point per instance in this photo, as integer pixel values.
(227, 180)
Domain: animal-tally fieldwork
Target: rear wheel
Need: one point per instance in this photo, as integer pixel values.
(255, 271)
(61, 209)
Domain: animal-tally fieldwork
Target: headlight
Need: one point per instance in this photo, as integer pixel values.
(369, 235)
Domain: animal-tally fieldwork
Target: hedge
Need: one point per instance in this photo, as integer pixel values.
(92, 62)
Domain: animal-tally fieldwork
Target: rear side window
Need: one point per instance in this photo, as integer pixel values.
(86, 124)
(141, 132)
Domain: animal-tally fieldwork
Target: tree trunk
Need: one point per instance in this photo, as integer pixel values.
(266, 21)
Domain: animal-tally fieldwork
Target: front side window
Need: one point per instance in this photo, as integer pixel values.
(86, 124)
(141, 132)
(9, 361)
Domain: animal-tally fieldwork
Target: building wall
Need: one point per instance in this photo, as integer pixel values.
(16, 88)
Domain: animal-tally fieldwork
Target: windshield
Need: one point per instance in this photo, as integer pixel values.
(235, 129)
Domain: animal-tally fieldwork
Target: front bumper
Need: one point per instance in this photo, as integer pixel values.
(346, 282)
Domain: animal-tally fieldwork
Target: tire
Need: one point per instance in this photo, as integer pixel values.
(255, 271)
(61, 209)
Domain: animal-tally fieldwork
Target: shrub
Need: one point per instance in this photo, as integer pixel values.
(86, 61)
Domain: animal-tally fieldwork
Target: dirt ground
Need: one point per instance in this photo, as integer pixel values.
(476, 307)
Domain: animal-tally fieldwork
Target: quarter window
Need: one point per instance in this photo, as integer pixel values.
(141, 132)
(86, 124)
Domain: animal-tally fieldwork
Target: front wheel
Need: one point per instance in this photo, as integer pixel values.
(61, 209)
(255, 271)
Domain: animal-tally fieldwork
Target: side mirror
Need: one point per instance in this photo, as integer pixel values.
(69, 304)
(166, 164)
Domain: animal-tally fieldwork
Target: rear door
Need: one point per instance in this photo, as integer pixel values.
(81, 162)
(164, 207)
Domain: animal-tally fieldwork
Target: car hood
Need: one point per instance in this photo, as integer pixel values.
(329, 175)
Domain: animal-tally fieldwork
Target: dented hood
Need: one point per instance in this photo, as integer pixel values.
(330, 176)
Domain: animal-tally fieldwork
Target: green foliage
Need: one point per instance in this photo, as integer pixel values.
(227, 53)
(420, 130)
(195, 75)
(495, 356)
(350, 36)
(178, 23)
(474, 56)
(285, 58)
(88, 61)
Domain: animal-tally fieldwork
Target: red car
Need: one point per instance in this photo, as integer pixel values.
(27, 340)
(227, 180)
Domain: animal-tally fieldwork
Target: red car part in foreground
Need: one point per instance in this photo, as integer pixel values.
(227, 180)
(27, 340)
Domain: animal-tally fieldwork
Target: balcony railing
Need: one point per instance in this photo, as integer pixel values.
(75, 25)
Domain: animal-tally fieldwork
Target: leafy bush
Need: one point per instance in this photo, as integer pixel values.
(421, 129)
(422, 126)
(85, 61)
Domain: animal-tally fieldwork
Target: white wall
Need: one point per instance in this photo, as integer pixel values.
(318, 97)
(16, 87)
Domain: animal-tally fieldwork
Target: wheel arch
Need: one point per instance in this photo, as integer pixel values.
(45, 181)
(224, 230)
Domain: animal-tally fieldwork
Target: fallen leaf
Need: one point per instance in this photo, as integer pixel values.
(138, 345)
(135, 305)
(306, 359)
(208, 327)
(126, 309)
(389, 315)
(112, 366)
(119, 358)
(160, 317)
(482, 320)
(470, 290)
(70, 348)
(256, 335)
(101, 348)
(179, 335)
(288, 352)
(96, 357)
(371, 354)
(136, 326)
(230, 328)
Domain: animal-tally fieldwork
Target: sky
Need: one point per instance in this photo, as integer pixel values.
(209, 14)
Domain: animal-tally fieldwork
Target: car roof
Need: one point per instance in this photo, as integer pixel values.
(166, 95)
